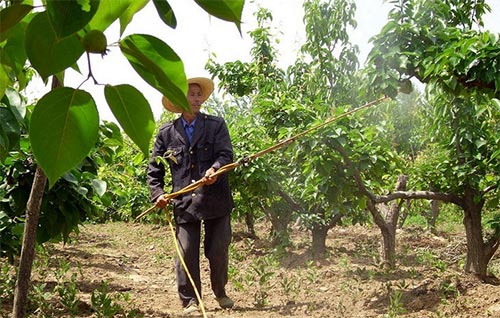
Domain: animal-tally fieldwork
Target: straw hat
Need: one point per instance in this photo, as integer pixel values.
(207, 87)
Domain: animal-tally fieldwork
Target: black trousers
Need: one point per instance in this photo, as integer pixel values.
(216, 246)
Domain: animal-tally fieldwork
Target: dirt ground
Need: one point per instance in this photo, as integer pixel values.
(137, 260)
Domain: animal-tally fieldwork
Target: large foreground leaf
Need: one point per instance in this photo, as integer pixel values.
(133, 112)
(166, 13)
(10, 16)
(229, 10)
(158, 65)
(134, 7)
(70, 16)
(64, 128)
(12, 53)
(110, 10)
(48, 54)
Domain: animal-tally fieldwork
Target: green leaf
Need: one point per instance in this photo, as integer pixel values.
(13, 53)
(99, 186)
(70, 177)
(134, 7)
(133, 112)
(64, 128)
(495, 155)
(496, 103)
(17, 229)
(107, 13)
(10, 129)
(158, 65)
(70, 16)
(110, 10)
(166, 13)
(16, 103)
(228, 10)
(47, 54)
(4, 80)
(10, 16)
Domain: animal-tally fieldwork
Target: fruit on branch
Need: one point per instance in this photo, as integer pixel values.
(95, 42)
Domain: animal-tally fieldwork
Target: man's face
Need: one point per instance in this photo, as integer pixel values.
(194, 97)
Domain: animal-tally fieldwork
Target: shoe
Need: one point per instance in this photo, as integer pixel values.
(190, 308)
(225, 302)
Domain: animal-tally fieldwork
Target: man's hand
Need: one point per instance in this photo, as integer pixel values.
(161, 202)
(208, 179)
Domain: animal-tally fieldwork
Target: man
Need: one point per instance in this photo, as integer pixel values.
(195, 145)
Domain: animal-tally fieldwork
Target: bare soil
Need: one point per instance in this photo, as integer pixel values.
(137, 259)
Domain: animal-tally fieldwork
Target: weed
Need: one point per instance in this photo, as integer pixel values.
(344, 262)
(236, 254)
(262, 272)
(42, 259)
(291, 287)
(413, 272)
(494, 267)
(312, 272)
(105, 304)
(66, 289)
(7, 282)
(448, 290)
(162, 258)
(364, 274)
(427, 257)
(41, 299)
(235, 277)
(396, 306)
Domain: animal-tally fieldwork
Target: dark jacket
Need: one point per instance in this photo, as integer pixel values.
(210, 147)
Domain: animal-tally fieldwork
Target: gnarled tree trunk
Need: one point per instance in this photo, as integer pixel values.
(479, 253)
(387, 223)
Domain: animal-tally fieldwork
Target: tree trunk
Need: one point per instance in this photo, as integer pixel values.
(479, 252)
(476, 262)
(387, 223)
(28, 247)
(434, 213)
(250, 223)
(279, 232)
(388, 231)
(29, 236)
(388, 251)
(319, 233)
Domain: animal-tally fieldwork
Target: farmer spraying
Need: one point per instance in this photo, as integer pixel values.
(195, 146)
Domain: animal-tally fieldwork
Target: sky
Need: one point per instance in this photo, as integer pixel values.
(199, 35)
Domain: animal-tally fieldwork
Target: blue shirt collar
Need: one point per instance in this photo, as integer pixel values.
(186, 125)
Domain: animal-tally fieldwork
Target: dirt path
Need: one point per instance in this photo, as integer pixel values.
(137, 260)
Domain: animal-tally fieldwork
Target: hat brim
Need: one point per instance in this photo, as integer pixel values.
(207, 88)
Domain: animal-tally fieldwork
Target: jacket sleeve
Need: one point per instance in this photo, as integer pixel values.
(223, 149)
(156, 171)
